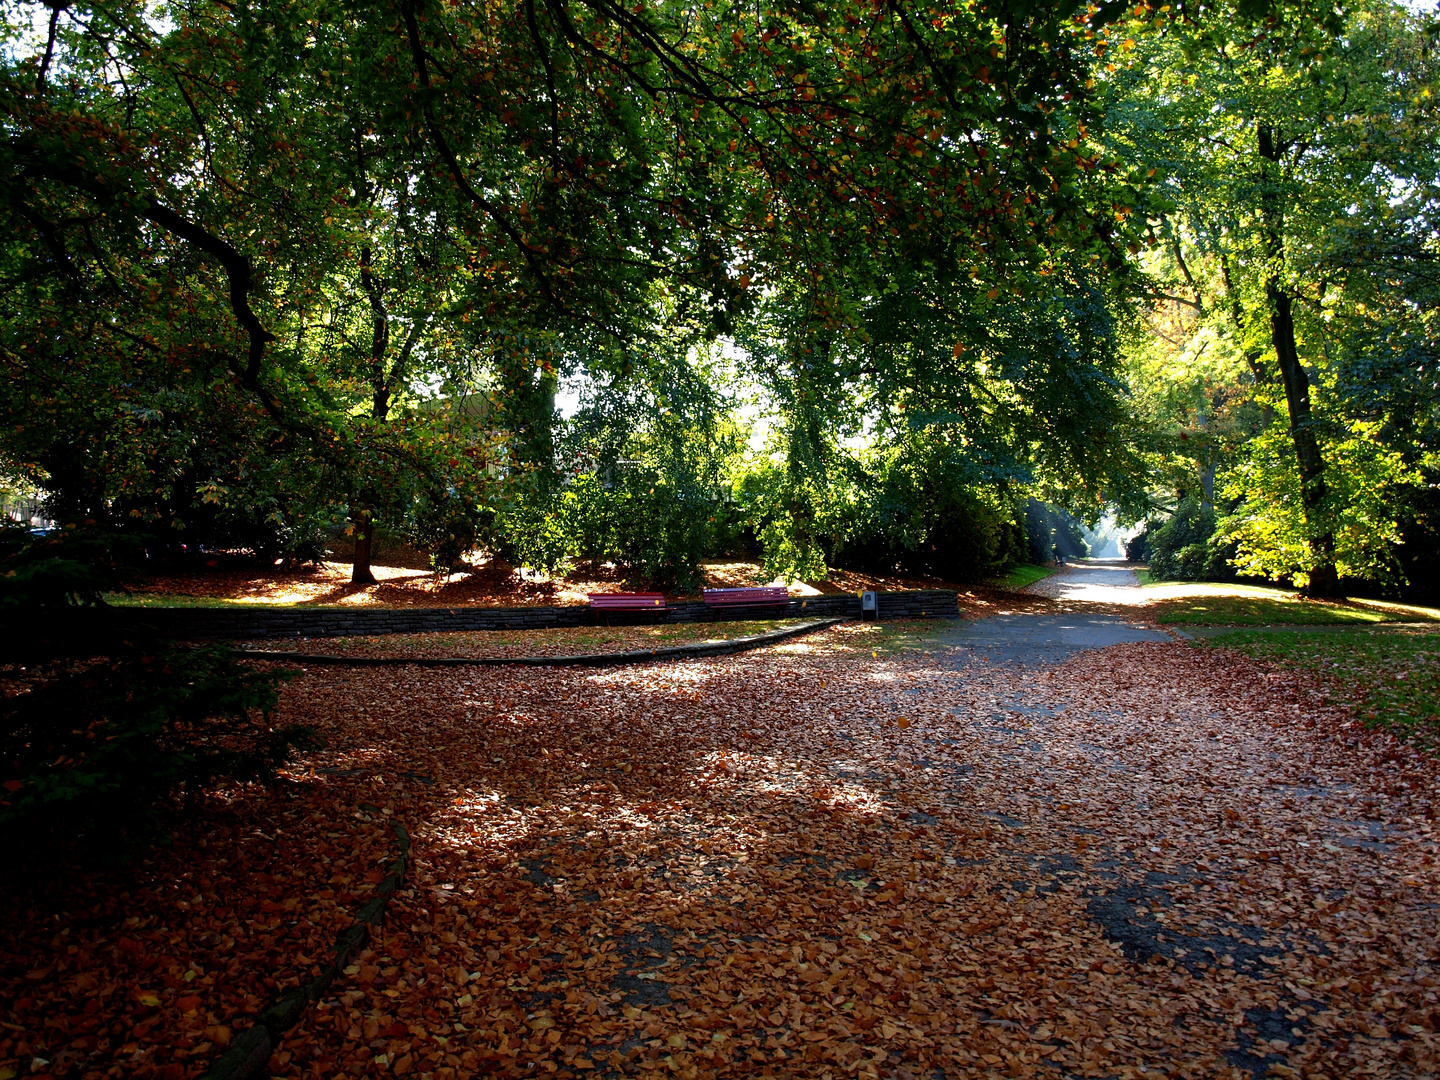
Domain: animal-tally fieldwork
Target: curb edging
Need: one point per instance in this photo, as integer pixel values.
(709, 648)
(250, 1054)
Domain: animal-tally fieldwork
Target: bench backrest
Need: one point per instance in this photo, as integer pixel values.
(627, 600)
(770, 594)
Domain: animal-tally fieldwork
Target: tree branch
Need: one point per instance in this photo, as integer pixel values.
(1185, 269)
(1173, 300)
(452, 163)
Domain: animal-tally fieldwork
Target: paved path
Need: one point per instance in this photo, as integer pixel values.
(1041, 639)
(1094, 581)
(1030, 639)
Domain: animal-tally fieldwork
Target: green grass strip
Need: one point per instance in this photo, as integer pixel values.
(1017, 577)
(1391, 678)
(1287, 610)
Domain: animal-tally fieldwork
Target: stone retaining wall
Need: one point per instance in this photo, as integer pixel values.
(313, 622)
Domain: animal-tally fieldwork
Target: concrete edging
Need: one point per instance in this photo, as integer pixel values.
(674, 652)
(249, 1055)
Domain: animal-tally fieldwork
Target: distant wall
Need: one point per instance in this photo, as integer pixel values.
(242, 622)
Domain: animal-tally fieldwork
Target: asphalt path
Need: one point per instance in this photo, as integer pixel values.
(1041, 639)
(1031, 639)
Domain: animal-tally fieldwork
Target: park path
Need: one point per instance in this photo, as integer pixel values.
(1092, 581)
(1002, 855)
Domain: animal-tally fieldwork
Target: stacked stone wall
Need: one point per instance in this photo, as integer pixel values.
(317, 622)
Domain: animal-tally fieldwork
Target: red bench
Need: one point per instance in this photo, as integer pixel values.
(627, 601)
(769, 595)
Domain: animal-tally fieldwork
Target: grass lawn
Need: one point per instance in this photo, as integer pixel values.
(169, 600)
(554, 641)
(1019, 576)
(1391, 678)
(1252, 605)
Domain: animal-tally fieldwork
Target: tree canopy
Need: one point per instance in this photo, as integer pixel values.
(281, 269)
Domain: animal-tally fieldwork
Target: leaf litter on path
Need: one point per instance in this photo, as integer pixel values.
(819, 861)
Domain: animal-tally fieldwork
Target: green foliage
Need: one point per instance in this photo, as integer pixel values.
(918, 517)
(639, 520)
(444, 526)
(1271, 532)
(1300, 160)
(793, 519)
(314, 264)
(1184, 547)
(90, 748)
(70, 567)
(245, 271)
(95, 749)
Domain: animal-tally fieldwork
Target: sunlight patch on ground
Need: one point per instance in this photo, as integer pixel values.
(1202, 603)
(1100, 581)
(1187, 590)
(1170, 590)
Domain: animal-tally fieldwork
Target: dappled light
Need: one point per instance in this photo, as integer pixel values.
(555, 540)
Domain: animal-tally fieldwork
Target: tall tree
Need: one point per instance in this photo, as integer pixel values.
(1275, 137)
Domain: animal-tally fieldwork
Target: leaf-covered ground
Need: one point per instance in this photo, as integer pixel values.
(823, 859)
(143, 969)
(1390, 678)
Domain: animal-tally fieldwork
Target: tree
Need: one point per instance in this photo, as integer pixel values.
(1278, 137)
(295, 217)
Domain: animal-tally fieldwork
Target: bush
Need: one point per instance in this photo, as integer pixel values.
(636, 519)
(94, 750)
(1137, 548)
(920, 508)
(968, 541)
(68, 567)
(1185, 548)
(445, 528)
(91, 748)
(795, 522)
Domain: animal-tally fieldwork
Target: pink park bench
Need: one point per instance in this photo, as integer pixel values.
(627, 601)
(770, 595)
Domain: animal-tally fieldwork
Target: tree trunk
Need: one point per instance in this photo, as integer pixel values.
(1324, 580)
(1205, 468)
(360, 573)
(1252, 358)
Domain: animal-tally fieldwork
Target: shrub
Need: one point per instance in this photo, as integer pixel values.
(1137, 548)
(68, 567)
(93, 750)
(635, 518)
(90, 747)
(969, 540)
(1185, 547)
